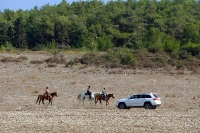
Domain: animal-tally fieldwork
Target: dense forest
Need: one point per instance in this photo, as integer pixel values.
(169, 26)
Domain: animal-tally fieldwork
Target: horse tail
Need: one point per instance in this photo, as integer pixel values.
(37, 99)
(79, 96)
(95, 97)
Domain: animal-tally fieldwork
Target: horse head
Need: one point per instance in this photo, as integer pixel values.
(54, 94)
(111, 95)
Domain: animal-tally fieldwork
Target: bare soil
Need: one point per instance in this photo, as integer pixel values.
(22, 82)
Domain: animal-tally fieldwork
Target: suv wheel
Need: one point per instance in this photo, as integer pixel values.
(153, 107)
(121, 106)
(147, 106)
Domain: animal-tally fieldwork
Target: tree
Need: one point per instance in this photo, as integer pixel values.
(20, 33)
(61, 32)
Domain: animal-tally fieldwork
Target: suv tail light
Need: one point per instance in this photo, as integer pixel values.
(155, 98)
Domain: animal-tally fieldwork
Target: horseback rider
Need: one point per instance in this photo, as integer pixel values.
(89, 92)
(47, 92)
(104, 93)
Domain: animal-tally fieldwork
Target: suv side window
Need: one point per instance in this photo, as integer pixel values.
(148, 96)
(133, 97)
(143, 96)
(139, 96)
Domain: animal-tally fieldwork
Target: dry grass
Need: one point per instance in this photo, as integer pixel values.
(21, 84)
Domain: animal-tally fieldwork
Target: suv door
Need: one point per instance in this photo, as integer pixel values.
(141, 100)
(132, 101)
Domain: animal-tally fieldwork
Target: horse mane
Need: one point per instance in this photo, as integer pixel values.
(53, 92)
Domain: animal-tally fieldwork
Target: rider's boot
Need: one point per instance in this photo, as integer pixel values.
(90, 96)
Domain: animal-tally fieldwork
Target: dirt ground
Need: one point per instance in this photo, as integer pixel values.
(22, 82)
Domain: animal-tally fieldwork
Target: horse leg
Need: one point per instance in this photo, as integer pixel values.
(100, 101)
(107, 102)
(95, 101)
(83, 101)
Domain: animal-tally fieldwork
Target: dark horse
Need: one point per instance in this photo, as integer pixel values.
(44, 96)
(100, 97)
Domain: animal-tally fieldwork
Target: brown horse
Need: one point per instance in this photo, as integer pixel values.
(100, 97)
(44, 96)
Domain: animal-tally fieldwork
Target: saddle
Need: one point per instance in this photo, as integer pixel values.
(88, 93)
(45, 94)
(103, 97)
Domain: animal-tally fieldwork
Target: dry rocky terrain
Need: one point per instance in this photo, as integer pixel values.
(22, 82)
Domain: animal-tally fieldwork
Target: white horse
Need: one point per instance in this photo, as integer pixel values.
(82, 96)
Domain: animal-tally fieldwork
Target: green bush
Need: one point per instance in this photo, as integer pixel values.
(185, 55)
(2, 48)
(170, 44)
(52, 45)
(154, 48)
(70, 63)
(104, 43)
(159, 59)
(128, 59)
(174, 55)
(7, 47)
(192, 48)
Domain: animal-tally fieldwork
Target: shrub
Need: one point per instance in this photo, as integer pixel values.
(104, 43)
(10, 59)
(127, 59)
(7, 47)
(174, 55)
(192, 48)
(52, 45)
(148, 64)
(56, 59)
(70, 63)
(2, 48)
(52, 65)
(89, 58)
(170, 44)
(159, 59)
(154, 48)
(36, 62)
(185, 55)
(22, 58)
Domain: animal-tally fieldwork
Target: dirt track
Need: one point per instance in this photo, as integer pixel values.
(21, 83)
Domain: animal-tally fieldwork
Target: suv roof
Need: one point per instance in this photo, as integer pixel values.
(144, 93)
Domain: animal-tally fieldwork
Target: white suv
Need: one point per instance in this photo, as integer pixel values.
(146, 100)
